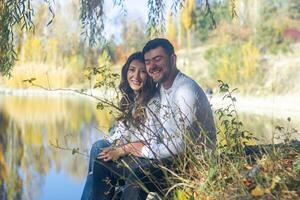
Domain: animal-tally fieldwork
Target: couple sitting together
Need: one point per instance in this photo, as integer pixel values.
(161, 108)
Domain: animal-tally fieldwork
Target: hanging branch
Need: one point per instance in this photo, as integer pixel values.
(177, 5)
(92, 16)
(50, 10)
(210, 13)
(11, 14)
(233, 9)
(156, 17)
(120, 3)
(92, 19)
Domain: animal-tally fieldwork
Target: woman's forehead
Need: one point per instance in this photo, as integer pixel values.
(137, 64)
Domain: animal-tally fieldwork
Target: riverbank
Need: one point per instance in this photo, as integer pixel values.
(283, 106)
(61, 92)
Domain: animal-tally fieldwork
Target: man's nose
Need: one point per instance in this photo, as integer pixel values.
(152, 65)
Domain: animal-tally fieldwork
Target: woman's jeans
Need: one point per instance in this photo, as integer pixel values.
(95, 150)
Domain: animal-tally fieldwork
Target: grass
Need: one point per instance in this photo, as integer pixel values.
(268, 172)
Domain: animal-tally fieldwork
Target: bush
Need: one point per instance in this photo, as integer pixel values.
(234, 63)
(270, 173)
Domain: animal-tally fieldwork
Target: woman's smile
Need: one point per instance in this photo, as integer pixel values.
(136, 75)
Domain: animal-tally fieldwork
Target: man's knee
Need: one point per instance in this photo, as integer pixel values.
(136, 175)
(99, 169)
(151, 178)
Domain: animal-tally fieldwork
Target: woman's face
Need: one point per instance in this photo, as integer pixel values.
(136, 75)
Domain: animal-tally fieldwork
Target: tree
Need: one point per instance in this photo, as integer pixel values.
(294, 9)
(133, 36)
(171, 29)
(187, 19)
(13, 13)
(203, 26)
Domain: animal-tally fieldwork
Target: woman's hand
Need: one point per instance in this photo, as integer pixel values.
(114, 153)
(111, 154)
(119, 142)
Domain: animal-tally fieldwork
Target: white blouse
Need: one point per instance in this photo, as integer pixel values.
(146, 132)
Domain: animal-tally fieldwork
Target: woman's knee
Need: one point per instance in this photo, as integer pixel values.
(98, 146)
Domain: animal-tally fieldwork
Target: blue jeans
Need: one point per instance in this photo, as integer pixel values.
(95, 150)
(136, 172)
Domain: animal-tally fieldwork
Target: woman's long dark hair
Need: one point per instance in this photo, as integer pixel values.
(129, 100)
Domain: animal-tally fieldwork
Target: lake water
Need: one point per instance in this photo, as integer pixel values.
(32, 168)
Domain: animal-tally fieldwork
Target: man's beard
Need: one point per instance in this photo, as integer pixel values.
(166, 75)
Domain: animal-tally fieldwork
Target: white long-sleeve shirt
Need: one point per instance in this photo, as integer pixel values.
(184, 107)
(144, 132)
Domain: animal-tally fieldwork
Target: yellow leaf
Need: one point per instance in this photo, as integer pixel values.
(275, 181)
(257, 191)
(181, 195)
(266, 164)
(248, 166)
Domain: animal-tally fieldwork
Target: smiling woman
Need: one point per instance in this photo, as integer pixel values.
(139, 95)
(136, 75)
(135, 83)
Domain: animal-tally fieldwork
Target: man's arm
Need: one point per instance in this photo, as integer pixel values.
(134, 148)
(190, 112)
(178, 114)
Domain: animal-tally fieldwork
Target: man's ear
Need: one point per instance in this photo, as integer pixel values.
(174, 59)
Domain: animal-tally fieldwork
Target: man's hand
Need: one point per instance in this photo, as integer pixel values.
(111, 154)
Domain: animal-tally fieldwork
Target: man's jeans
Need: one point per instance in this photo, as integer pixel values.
(95, 150)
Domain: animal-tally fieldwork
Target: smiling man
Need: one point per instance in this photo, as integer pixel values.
(184, 105)
(160, 66)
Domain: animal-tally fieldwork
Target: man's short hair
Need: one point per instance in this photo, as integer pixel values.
(159, 42)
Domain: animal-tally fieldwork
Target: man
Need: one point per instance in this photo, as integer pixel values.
(184, 105)
(184, 113)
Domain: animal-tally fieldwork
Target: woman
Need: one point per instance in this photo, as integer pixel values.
(138, 92)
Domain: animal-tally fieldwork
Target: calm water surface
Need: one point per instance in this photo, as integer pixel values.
(31, 168)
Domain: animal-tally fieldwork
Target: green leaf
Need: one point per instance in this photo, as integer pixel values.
(100, 106)
(74, 151)
(296, 164)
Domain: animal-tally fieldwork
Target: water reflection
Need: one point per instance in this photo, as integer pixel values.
(30, 168)
(28, 126)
